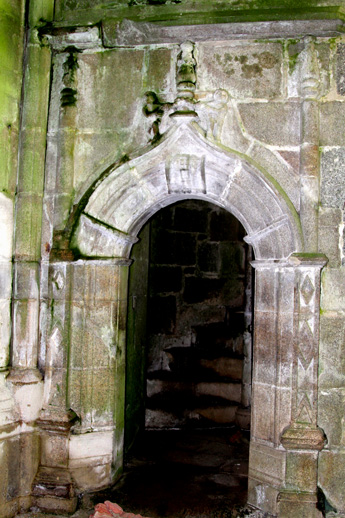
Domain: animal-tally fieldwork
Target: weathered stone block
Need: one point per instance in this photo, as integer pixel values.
(160, 74)
(166, 279)
(332, 351)
(25, 332)
(332, 476)
(332, 177)
(332, 116)
(340, 68)
(28, 225)
(208, 257)
(5, 280)
(247, 70)
(26, 280)
(174, 248)
(53, 450)
(276, 124)
(8, 159)
(263, 416)
(101, 77)
(266, 476)
(102, 400)
(13, 463)
(6, 226)
(32, 161)
(30, 444)
(93, 281)
(331, 415)
(330, 235)
(301, 471)
(199, 289)
(29, 401)
(333, 289)
(5, 331)
(277, 166)
(93, 152)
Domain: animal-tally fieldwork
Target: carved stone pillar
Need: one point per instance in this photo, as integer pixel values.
(303, 439)
(53, 487)
(285, 438)
(309, 165)
(96, 370)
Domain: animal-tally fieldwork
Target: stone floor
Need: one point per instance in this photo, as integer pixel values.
(181, 474)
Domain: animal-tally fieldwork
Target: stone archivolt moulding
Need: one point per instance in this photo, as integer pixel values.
(184, 164)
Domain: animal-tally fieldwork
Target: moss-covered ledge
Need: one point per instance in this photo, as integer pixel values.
(116, 31)
(170, 12)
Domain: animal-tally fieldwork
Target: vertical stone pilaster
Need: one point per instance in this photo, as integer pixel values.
(309, 165)
(272, 381)
(83, 414)
(96, 372)
(283, 480)
(53, 488)
(303, 439)
(28, 214)
(85, 376)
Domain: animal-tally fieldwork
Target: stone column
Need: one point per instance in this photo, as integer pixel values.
(96, 372)
(309, 164)
(53, 488)
(285, 438)
(28, 220)
(82, 422)
(303, 439)
(272, 381)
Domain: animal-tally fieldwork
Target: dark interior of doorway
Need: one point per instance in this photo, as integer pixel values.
(189, 344)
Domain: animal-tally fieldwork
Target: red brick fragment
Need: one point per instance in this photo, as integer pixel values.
(114, 508)
(101, 508)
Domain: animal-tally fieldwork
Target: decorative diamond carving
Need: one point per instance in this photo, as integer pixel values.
(307, 290)
(59, 280)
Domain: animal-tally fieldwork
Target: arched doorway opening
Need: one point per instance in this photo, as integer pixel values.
(284, 403)
(196, 347)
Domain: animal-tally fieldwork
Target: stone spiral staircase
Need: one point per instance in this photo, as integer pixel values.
(202, 387)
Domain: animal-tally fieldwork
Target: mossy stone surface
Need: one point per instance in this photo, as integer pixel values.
(203, 11)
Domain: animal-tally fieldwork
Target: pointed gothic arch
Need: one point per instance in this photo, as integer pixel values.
(186, 165)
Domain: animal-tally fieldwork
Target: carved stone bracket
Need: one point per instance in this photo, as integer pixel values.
(208, 113)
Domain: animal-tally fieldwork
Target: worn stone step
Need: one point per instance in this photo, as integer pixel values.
(218, 415)
(200, 416)
(226, 390)
(186, 361)
(179, 402)
(207, 370)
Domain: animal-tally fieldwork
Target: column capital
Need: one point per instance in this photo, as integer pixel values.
(303, 438)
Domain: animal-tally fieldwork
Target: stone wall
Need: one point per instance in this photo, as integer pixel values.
(267, 145)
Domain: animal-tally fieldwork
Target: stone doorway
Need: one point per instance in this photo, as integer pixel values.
(198, 341)
(284, 397)
(197, 348)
